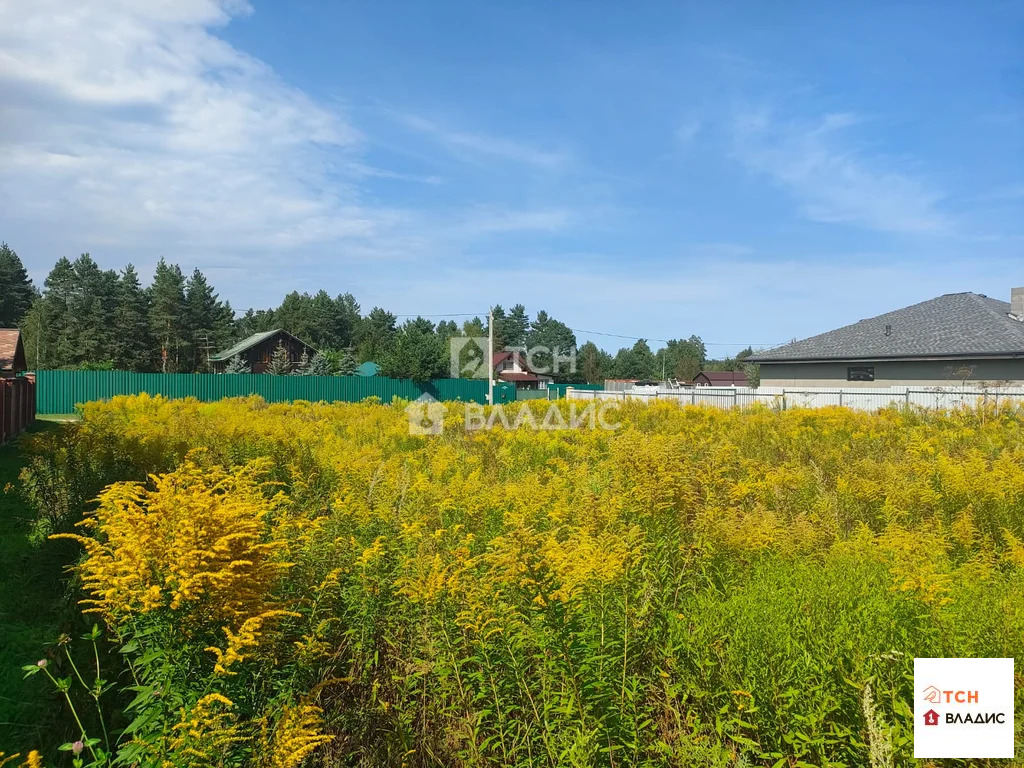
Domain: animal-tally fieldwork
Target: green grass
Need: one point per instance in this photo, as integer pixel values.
(59, 418)
(33, 612)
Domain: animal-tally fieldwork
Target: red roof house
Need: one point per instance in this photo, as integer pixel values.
(512, 367)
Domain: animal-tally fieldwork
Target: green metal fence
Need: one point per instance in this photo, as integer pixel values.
(59, 391)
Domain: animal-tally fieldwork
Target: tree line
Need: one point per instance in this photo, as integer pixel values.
(86, 317)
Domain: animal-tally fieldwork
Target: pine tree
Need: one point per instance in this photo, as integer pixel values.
(417, 353)
(295, 315)
(237, 365)
(92, 310)
(350, 320)
(208, 321)
(302, 369)
(378, 333)
(319, 365)
(16, 290)
(517, 326)
(54, 343)
(167, 315)
(280, 364)
(133, 347)
(346, 363)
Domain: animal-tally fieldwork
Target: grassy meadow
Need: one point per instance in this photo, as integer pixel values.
(309, 584)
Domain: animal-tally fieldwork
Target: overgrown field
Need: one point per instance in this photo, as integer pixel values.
(311, 584)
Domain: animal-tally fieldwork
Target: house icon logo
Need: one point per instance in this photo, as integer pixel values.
(426, 416)
(932, 695)
(931, 717)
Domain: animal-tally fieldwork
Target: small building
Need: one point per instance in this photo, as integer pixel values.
(952, 340)
(256, 351)
(721, 379)
(17, 388)
(512, 368)
(369, 368)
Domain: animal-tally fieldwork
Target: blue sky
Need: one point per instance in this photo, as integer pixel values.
(748, 172)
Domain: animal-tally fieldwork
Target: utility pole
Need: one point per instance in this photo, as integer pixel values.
(490, 356)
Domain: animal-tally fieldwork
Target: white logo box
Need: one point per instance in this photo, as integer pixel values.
(971, 703)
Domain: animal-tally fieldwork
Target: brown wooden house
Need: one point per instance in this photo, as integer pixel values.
(257, 350)
(17, 389)
(721, 379)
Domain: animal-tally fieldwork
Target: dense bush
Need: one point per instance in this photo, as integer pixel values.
(310, 582)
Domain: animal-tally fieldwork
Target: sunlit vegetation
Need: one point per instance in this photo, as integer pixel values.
(310, 584)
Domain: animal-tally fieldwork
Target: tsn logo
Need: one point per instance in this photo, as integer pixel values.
(933, 695)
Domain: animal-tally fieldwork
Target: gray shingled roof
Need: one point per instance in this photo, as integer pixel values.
(244, 344)
(953, 325)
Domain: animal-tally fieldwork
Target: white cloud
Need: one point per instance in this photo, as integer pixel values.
(133, 125)
(834, 181)
(132, 120)
(474, 147)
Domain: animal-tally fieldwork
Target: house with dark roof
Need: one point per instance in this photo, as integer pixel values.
(720, 379)
(256, 350)
(950, 340)
(513, 368)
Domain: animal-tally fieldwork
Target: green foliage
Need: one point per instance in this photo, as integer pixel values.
(237, 365)
(280, 362)
(594, 365)
(208, 322)
(699, 587)
(340, 362)
(168, 317)
(319, 365)
(87, 316)
(302, 369)
(682, 359)
(16, 290)
(377, 334)
(416, 353)
(133, 343)
(556, 343)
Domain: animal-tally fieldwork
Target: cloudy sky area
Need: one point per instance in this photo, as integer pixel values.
(747, 172)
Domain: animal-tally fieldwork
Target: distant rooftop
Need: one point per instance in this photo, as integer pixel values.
(243, 345)
(953, 325)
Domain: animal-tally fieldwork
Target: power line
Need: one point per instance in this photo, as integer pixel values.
(611, 335)
(665, 341)
(450, 314)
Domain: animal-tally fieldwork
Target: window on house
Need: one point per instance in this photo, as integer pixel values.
(860, 373)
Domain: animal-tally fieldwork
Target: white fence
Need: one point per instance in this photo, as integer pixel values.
(859, 398)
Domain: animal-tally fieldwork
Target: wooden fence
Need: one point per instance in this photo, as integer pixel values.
(17, 405)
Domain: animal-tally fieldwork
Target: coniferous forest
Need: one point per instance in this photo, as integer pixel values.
(87, 317)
